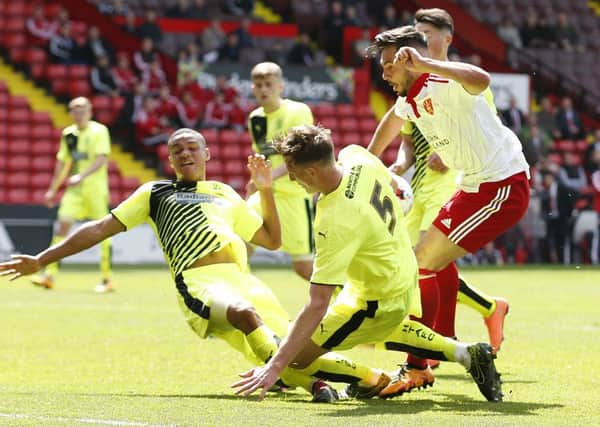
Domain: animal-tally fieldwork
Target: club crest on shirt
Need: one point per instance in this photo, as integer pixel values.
(428, 105)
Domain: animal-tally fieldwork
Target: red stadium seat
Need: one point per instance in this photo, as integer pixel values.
(17, 54)
(229, 137)
(35, 55)
(364, 110)
(101, 102)
(79, 88)
(214, 167)
(18, 131)
(103, 116)
(18, 179)
(129, 184)
(40, 118)
(367, 125)
(38, 196)
(114, 181)
(348, 125)
(323, 110)
(45, 147)
(118, 103)
(582, 146)
(78, 72)
(210, 135)
(3, 87)
(43, 164)
(3, 163)
(37, 71)
(14, 25)
(351, 138)
(56, 72)
(14, 40)
(113, 168)
(40, 132)
(41, 181)
(389, 156)
(231, 152)
(234, 167)
(79, 28)
(163, 152)
(19, 164)
(344, 110)
(4, 99)
(17, 101)
(329, 123)
(18, 196)
(3, 146)
(15, 9)
(19, 115)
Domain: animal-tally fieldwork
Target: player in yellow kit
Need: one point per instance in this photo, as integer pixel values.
(83, 154)
(362, 244)
(271, 119)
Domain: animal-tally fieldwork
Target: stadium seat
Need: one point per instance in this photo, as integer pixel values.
(35, 55)
(19, 164)
(17, 54)
(229, 137)
(80, 88)
(101, 102)
(115, 198)
(213, 168)
(114, 181)
(18, 146)
(40, 181)
(231, 152)
(3, 163)
(18, 179)
(367, 125)
(163, 152)
(129, 184)
(118, 102)
(113, 168)
(4, 99)
(234, 167)
(15, 40)
(210, 135)
(15, 9)
(45, 147)
(364, 110)
(42, 164)
(350, 138)
(348, 125)
(344, 110)
(56, 72)
(39, 118)
(389, 156)
(323, 110)
(15, 102)
(19, 115)
(78, 72)
(18, 196)
(37, 196)
(37, 71)
(329, 123)
(103, 116)
(19, 130)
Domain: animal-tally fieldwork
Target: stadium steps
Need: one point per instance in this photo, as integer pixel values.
(379, 104)
(264, 12)
(39, 100)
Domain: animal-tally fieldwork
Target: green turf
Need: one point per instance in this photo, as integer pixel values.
(71, 357)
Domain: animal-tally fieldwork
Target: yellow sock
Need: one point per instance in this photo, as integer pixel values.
(415, 338)
(337, 368)
(106, 259)
(474, 298)
(52, 269)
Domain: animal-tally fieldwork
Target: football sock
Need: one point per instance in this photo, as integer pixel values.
(419, 340)
(263, 343)
(106, 259)
(475, 299)
(52, 269)
(448, 286)
(430, 299)
(337, 368)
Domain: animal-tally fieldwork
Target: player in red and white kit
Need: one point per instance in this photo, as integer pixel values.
(444, 99)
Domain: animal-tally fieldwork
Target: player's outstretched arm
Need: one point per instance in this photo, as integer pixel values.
(474, 79)
(269, 235)
(86, 236)
(406, 156)
(388, 128)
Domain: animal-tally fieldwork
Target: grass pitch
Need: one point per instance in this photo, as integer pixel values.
(71, 357)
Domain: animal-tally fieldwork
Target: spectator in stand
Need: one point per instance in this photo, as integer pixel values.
(546, 118)
(168, 105)
(188, 62)
(40, 29)
(229, 92)
(553, 249)
(230, 51)
(489, 255)
(96, 46)
(180, 10)
(509, 33)
(190, 112)
(199, 10)
(390, 17)
(334, 31)
(150, 28)
(301, 53)
(154, 77)
(568, 121)
(536, 143)
(592, 153)
(533, 34)
(130, 25)
(191, 85)
(146, 56)
(565, 34)
(513, 117)
(213, 37)
(124, 76)
(150, 128)
(239, 7)
(62, 17)
(215, 115)
(114, 8)
(238, 114)
(595, 182)
(276, 53)
(243, 33)
(359, 47)
(352, 18)
(63, 47)
(102, 78)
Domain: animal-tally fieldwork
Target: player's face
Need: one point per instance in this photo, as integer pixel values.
(437, 40)
(81, 114)
(267, 90)
(397, 76)
(304, 175)
(188, 156)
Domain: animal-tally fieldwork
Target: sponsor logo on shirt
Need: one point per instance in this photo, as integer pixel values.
(437, 142)
(193, 198)
(428, 105)
(352, 181)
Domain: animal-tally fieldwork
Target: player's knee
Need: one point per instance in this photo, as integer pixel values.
(244, 317)
(303, 269)
(425, 260)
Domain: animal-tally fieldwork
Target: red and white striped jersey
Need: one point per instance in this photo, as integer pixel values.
(463, 129)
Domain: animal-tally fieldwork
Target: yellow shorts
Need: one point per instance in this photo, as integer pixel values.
(205, 293)
(426, 206)
(350, 321)
(296, 218)
(80, 203)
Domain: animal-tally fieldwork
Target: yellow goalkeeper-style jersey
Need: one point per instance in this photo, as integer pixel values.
(360, 232)
(82, 147)
(192, 220)
(264, 127)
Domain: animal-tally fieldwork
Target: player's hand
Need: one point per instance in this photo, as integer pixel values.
(434, 162)
(21, 265)
(49, 198)
(262, 377)
(250, 188)
(396, 168)
(74, 180)
(260, 172)
(410, 59)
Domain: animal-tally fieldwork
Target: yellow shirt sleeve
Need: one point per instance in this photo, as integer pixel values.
(335, 249)
(407, 128)
(247, 221)
(102, 142)
(134, 210)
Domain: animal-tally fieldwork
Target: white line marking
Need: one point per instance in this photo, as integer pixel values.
(79, 420)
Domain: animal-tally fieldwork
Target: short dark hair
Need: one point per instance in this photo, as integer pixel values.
(183, 132)
(306, 144)
(398, 37)
(439, 18)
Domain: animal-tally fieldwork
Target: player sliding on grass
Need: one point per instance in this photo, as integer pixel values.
(362, 244)
(445, 101)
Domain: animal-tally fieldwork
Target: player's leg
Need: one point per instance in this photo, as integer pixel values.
(418, 339)
(493, 310)
(97, 207)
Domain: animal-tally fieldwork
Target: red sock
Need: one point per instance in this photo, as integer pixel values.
(448, 285)
(430, 300)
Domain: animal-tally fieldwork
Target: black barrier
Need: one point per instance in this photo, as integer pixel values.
(29, 227)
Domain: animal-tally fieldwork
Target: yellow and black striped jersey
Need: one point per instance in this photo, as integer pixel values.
(191, 220)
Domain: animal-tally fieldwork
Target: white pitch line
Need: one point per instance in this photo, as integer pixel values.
(79, 420)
